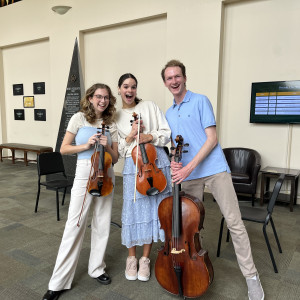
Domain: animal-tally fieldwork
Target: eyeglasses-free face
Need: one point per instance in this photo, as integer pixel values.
(128, 92)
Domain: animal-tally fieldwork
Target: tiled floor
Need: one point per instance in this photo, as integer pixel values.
(29, 242)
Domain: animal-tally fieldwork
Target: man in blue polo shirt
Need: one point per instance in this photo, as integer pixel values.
(192, 117)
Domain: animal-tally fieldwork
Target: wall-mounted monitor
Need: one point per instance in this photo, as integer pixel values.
(275, 102)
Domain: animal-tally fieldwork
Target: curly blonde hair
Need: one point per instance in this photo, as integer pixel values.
(88, 109)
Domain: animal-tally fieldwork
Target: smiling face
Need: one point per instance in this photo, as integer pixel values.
(127, 91)
(175, 82)
(100, 101)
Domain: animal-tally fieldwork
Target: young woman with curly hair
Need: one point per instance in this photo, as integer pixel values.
(97, 106)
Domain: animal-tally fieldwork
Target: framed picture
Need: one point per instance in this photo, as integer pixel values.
(40, 114)
(38, 88)
(28, 101)
(18, 89)
(19, 114)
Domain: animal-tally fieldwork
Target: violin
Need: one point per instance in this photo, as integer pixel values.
(182, 267)
(99, 183)
(150, 180)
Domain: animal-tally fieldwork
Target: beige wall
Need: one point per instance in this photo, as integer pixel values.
(260, 44)
(225, 45)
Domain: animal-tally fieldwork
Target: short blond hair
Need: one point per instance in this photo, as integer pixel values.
(173, 63)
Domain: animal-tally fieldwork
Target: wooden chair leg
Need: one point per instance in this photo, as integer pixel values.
(13, 155)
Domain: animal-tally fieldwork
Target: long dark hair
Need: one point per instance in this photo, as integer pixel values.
(88, 109)
(123, 78)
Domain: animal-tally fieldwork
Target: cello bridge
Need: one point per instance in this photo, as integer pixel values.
(174, 251)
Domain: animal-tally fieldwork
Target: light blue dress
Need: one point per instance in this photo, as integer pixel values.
(140, 223)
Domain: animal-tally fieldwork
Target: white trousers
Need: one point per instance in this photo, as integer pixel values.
(222, 189)
(72, 239)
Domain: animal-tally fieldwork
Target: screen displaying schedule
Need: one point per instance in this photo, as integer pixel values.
(275, 102)
(281, 103)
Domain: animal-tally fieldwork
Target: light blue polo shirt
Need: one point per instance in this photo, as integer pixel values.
(189, 119)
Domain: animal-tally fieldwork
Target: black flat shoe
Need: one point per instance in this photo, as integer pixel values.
(52, 295)
(104, 279)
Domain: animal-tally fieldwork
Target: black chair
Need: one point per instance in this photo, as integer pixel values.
(259, 215)
(52, 164)
(244, 164)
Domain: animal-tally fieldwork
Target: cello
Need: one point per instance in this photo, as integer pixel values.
(182, 267)
(150, 180)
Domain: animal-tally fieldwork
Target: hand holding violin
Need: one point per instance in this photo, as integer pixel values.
(134, 130)
(145, 138)
(97, 138)
(93, 140)
(103, 140)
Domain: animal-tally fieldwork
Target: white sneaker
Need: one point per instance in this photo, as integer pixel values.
(144, 269)
(255, 290)
(131, 268)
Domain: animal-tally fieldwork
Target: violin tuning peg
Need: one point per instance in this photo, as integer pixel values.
(186, 145)
(185, 151)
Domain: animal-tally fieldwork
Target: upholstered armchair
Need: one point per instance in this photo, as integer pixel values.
(244, 164)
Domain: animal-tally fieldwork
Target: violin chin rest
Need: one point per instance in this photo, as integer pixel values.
(95, 193)
(152, 191)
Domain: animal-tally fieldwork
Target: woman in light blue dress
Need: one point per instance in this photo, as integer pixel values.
(140, 223)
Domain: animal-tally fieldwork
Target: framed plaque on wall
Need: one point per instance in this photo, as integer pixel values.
(38, 88)
(40, 114)
(28, 101)
(18, 89)
(19, 114)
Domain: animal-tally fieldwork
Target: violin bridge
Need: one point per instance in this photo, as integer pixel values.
(174, 251)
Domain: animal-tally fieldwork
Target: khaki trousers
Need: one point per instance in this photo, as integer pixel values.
(72, 239)
(222, 189)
